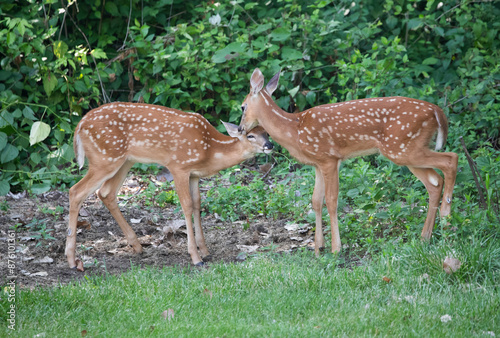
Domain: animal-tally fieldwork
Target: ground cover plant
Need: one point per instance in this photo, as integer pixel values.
(276, 295)
(60, 60)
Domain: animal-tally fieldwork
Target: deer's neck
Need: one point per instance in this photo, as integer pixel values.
(280, 125)
(226, 152)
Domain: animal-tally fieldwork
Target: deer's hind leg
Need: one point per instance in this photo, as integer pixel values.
(433, 182)
(108, 193)
(77, 195)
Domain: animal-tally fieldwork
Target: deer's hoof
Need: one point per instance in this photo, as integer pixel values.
(137, 248)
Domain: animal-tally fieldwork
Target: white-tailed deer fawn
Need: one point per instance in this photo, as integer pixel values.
(116, 135)
(397, 127)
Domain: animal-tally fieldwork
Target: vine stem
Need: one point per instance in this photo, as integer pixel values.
(105, 96)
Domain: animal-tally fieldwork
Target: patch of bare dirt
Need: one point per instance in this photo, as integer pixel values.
(41, 224)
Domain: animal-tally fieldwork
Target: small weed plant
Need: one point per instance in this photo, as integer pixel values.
(38, 230)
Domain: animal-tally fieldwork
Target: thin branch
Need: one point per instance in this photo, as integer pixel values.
(463, 98)
(473, 168)
(267, 173)
(444, 13)
(104, 95)
(128, 28)
(170, 15)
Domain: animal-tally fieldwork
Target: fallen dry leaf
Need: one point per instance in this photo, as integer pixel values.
(265, 167)
(247, 248)
(451, 265)
(145, 240)
(44, 260)
(292, 227)
(83, 212)
(83, 224)
(40, 274)
(168, 314)
(387, 279)
(84, 333)
(208, 293)
(79, 265)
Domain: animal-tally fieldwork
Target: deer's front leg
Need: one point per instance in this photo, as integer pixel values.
(331, 177)
(317, 204)
(195, 195)
(182, 186)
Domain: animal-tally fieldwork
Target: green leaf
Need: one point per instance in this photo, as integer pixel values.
(262, 28)
(353, 193)
(4, 187)
(289, 54)
(40, 188)
(280, 34)
(3, 140)
(430, 61)
(415, 23)
(17, 113)
(311, 98)
(39, 132)
(98, 53)
(35, 157)
(28, 113)
(112, 8)
(60, 49)
(229, 52)
(80, 86)
(439, 31)
(293, 91)
(11, 38)
(49, 83)
(6, 119)
(8, 153)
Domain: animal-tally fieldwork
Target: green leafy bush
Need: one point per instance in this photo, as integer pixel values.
(59, 61)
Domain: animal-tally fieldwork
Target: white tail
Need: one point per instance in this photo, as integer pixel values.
(79, 151)
(399, 128)
(115, 136)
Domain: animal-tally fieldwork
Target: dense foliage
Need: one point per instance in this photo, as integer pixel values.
(60, 59)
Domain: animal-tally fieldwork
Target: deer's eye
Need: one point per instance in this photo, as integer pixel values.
(243, 108)
(251, 137)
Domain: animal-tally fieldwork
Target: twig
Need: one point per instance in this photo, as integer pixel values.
(474, 168)
(439, 17)
(105, 96)
(463, 98)
(170, 15)
(125, 200)
(267, 173)
(128, 27)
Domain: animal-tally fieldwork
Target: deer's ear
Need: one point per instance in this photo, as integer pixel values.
(232, 129)
(256, 81)
(273, 84)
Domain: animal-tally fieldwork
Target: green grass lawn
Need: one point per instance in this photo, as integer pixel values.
(281, 295)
